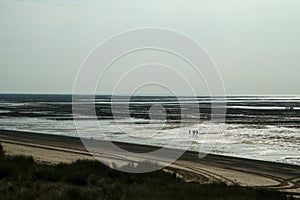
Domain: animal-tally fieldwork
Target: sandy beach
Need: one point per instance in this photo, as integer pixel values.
(213, 168)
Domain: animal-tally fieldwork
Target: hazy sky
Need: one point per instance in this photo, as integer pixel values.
(255, 43)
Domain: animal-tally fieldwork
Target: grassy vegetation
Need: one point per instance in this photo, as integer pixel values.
(22, 178)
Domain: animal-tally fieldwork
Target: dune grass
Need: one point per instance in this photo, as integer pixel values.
(22, 178)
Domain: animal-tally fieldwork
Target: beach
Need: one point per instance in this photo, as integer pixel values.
(212, 168)
(259, 128)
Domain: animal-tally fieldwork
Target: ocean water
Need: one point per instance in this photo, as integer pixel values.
(255, 127)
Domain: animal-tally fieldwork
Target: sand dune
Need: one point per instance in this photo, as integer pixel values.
(212, 168)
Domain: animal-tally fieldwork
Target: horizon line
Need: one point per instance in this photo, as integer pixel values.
(159, 95)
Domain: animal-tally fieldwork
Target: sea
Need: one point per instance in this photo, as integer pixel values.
(255, 127)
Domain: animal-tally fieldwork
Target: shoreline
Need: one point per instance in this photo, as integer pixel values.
(212, 168)
(140, 148)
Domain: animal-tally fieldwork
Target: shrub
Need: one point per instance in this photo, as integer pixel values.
(1, 151)
(22, 178)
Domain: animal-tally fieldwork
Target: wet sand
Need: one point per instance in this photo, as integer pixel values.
(212, 168)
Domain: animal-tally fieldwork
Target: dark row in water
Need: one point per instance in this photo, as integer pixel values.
(278, 111)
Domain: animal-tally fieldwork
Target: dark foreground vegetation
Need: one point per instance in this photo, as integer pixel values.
(22, 178)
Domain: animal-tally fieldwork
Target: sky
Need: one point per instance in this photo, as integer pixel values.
(254, 44)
